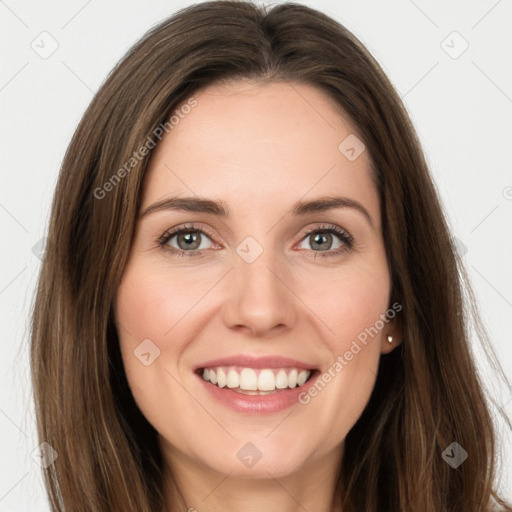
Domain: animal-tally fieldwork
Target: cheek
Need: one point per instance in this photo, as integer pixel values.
(351, 305)
(145, 311)
(142, 313)
(149, 304)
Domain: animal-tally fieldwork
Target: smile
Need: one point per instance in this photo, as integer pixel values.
(254, 381)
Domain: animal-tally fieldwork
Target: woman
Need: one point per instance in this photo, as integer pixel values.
(251, 299)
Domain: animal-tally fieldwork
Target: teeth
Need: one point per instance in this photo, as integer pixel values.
(251, 380)
(233, 380)
(248, 380)
(281, 380)
(301, 378)
(221, 378)
(292, 378)
(266, 381)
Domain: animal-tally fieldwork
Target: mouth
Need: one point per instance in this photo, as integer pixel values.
(256, 381)
(258, 385)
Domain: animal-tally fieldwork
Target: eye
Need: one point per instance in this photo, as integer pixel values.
(189, 241)
(321, 242)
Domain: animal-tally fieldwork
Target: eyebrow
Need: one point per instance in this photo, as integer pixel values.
(219, 208)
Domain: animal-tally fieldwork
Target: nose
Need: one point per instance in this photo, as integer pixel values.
(260, 299)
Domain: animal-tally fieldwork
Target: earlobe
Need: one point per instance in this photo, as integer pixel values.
(392, 338)
(389, 343)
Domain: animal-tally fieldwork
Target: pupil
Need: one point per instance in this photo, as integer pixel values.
(318, 236)
(189, 239)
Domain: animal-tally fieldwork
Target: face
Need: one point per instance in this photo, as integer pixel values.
(280, 288)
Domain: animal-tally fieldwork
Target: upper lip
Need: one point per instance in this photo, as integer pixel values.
(247, 361)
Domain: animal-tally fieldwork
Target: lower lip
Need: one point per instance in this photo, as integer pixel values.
(257, 404)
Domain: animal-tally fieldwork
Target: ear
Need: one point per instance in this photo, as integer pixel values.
(393, 328)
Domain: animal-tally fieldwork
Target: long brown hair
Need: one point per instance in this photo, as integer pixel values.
(428, 393)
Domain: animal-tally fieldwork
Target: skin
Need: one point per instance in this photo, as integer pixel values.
(259, 148)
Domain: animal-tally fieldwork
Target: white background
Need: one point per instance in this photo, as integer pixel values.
(461, 108)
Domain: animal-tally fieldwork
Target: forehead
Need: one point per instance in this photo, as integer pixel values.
(261, 146)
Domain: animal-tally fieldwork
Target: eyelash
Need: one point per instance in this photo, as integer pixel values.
(346, 238)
